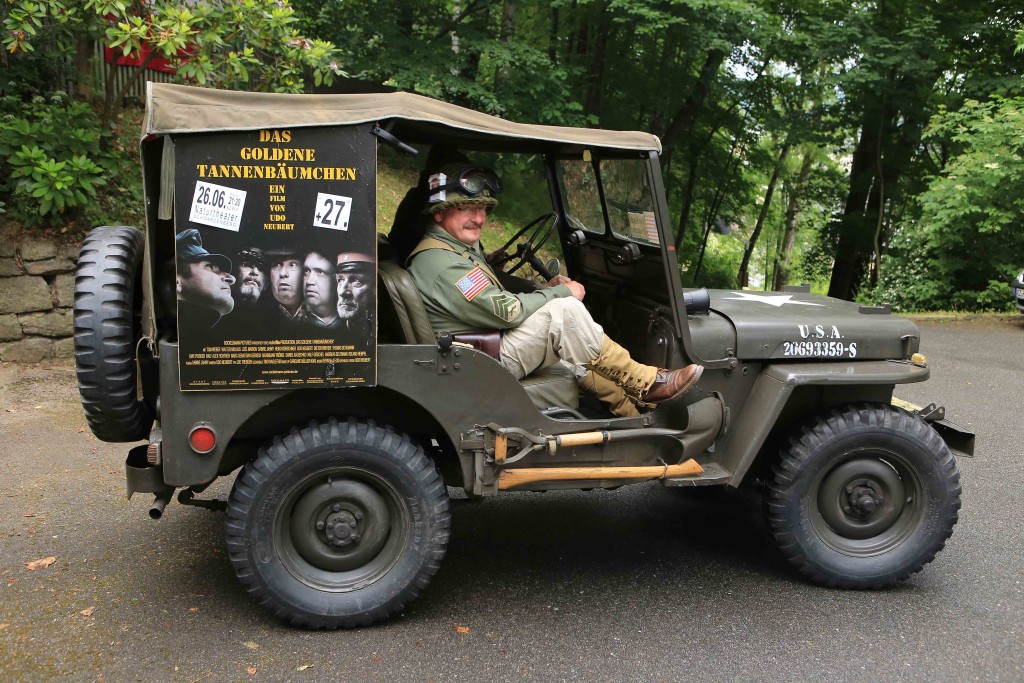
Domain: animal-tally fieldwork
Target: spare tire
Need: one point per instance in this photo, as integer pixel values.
(108, 324)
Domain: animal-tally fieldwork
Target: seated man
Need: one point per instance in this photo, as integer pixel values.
(461, 293)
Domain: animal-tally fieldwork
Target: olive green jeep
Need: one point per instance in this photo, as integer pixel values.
(264, 325)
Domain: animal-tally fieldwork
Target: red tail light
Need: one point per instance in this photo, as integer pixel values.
(202, 439)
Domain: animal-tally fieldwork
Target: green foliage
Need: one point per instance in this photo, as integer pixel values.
(47, 148)
(457, 53)
(60, 161)
(979, 189)
(912, 107)
(911, 284)
(251, 43)
(57, 185)
(968, 242)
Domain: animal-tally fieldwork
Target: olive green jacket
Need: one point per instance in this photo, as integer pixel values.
(461, 292)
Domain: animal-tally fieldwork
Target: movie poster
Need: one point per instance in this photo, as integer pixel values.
(275, 257)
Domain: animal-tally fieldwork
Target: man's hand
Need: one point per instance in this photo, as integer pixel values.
(496, 255)
(558, 280)
(578, 291)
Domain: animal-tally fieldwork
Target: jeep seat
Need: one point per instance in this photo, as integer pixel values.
(402, 318)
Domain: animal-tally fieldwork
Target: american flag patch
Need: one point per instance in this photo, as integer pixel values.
(473, 283)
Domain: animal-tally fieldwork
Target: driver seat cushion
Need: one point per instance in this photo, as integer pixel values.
(402, 317)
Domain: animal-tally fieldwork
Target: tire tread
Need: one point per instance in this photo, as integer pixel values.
(283, 451)
(816, 434)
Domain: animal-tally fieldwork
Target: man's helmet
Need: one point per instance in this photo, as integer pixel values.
(460, 185)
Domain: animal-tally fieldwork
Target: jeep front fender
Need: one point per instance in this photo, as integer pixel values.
(863, 380)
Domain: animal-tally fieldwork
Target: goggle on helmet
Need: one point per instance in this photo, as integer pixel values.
(470, 183)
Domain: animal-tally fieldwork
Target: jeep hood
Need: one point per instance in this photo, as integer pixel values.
(799, 325)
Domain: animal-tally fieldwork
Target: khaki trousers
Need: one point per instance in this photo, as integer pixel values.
(560, 330)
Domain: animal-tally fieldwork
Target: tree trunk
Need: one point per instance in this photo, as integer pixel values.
(855, 226)
(554, 37)
(508, 31)
(687, 112)
(114, 99)
(595, 75)
(83, 55)
(716, 204)
(762, 216)
(785, 257)
(684, 214)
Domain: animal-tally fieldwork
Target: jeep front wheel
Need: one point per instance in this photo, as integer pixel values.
(863, 497)
(340, 524)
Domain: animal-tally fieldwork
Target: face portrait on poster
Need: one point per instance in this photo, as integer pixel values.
(275, 258)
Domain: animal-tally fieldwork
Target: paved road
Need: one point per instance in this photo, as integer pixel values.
(639, 584)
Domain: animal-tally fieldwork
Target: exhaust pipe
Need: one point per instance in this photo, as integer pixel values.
(156, 511)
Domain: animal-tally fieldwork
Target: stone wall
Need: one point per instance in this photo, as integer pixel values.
(37, 291)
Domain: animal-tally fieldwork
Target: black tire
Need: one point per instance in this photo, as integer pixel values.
(373, 485)
(108, 285)
(863, 497)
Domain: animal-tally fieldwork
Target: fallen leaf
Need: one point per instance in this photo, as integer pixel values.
(375, 660)
(42, 563)
(251, 671)
(462, 629)
(303, 667)
(193, 609)
(87, 612)
(29, 514)
(81, 430)
(251, 645)
(3, 626)
(419, 643)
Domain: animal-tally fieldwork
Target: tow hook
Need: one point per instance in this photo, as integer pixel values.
(188, 497)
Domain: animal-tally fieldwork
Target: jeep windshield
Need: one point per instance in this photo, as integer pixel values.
(626, 189)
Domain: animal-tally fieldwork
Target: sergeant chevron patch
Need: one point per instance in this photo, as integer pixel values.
(506, 306)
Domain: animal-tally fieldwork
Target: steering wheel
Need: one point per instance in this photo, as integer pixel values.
(540, 228)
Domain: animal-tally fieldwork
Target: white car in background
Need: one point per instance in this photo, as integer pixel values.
(1018, 291)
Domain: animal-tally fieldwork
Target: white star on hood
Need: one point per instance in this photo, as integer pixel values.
(775, 300)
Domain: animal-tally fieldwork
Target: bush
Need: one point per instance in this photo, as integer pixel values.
(58, 168)
(50, 146)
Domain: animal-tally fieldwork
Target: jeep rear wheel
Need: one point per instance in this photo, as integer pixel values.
(340, 524)
(107, 328)
(864, 497)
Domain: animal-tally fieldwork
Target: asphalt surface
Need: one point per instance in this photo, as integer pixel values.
(639, 584)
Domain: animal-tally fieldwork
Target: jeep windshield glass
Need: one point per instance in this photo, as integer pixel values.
(627, 194)
(582, 199)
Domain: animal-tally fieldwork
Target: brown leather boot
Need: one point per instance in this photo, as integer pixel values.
(671, 383)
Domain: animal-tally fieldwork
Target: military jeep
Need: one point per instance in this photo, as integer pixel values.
(349, 431)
